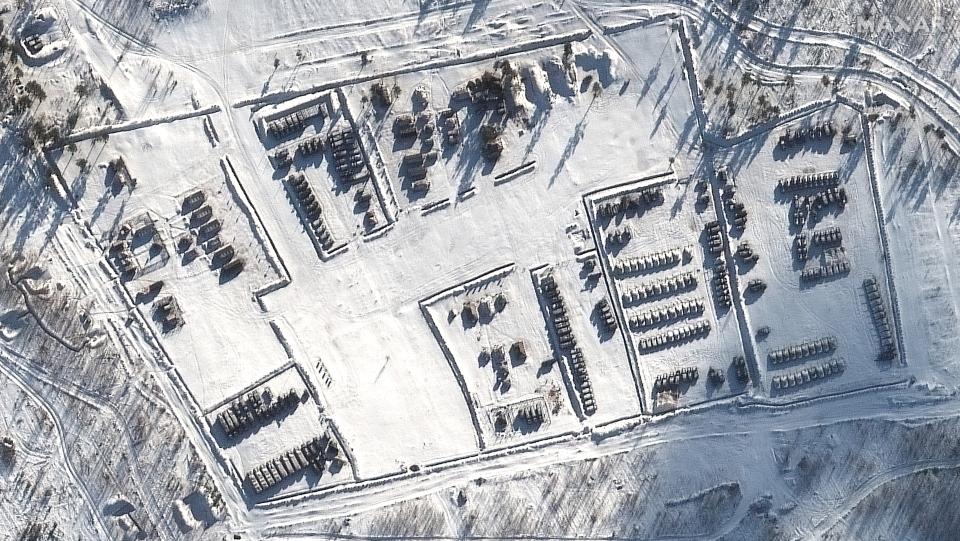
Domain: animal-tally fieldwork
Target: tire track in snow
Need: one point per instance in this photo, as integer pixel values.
(58, 426)
(866, 488)
(680, 427)
(77, 392)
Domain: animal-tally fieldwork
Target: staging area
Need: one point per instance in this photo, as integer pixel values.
(450, 276)
(357, 318)
(397, 275)
(817, 297)
(669, 282)
(477, 269)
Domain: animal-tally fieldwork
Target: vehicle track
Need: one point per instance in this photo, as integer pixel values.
(97, 281)
(68, 464)
(116, 418)
(678, 427)
(870, 485)
(931, 84)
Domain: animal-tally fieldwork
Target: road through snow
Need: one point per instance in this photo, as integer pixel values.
(724, 419)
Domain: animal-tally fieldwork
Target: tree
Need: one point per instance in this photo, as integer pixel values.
(34, 89)
(43, 132)
(22, 104)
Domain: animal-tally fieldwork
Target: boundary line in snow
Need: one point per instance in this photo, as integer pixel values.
(739, 304)
(435, 467)
(284, 95)
(881, 224)
(451, 360)
(614, 29)
(258, 229)
(588, 199)
(694, 86)
(256, 383)
(783, 118)
(130, 125)
(758, 403)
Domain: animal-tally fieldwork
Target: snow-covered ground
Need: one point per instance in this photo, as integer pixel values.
(449, 426)
(212, 362)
